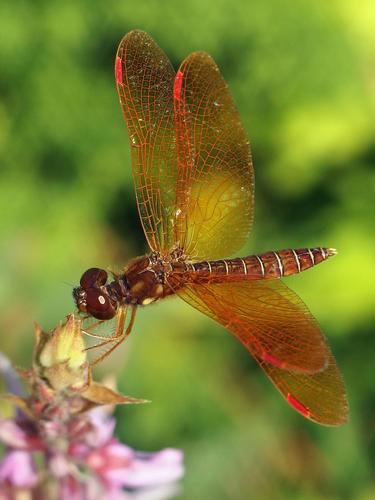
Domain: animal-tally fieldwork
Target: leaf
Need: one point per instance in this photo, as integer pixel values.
(102, 395)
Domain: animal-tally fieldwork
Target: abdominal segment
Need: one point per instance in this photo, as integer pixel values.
(269, 265)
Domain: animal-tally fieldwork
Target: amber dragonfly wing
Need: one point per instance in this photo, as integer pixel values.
(215, 181)
(191, 159)
(276, 327)
(145, 79)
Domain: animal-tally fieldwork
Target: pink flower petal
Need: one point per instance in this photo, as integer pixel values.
(166, 456)
(102, 428)
(18, 468)
(151, 469)
(59, 465)
(52, 429)
(12, 435)
(17, 435)
(113, 456)
(71, 489)
(78, 450)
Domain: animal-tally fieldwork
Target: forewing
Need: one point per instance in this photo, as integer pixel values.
(215, 185)
(276, 327)
(144, 78)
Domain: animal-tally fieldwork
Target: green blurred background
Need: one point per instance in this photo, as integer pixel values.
(302, 74)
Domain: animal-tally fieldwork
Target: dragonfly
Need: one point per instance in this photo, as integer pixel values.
(194, 185)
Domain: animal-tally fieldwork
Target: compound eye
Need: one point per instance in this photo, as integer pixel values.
(93, 277)
(98, 304)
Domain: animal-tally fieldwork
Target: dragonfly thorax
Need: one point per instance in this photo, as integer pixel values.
(146, 279)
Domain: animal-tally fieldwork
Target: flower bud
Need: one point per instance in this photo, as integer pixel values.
(60, 356)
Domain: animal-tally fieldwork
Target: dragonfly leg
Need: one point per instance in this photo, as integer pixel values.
(120, 322)
(93, 325)
(96, 336)
(87, 329)
(119, 336)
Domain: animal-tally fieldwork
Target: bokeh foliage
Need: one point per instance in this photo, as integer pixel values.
(302, 74)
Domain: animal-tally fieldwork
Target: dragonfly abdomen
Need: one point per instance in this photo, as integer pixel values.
(268, 265)
(285, 262)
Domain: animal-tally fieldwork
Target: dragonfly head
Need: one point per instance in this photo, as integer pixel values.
(91, 296)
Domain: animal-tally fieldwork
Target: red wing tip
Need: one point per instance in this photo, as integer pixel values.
(341, 418)
(298, 406)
